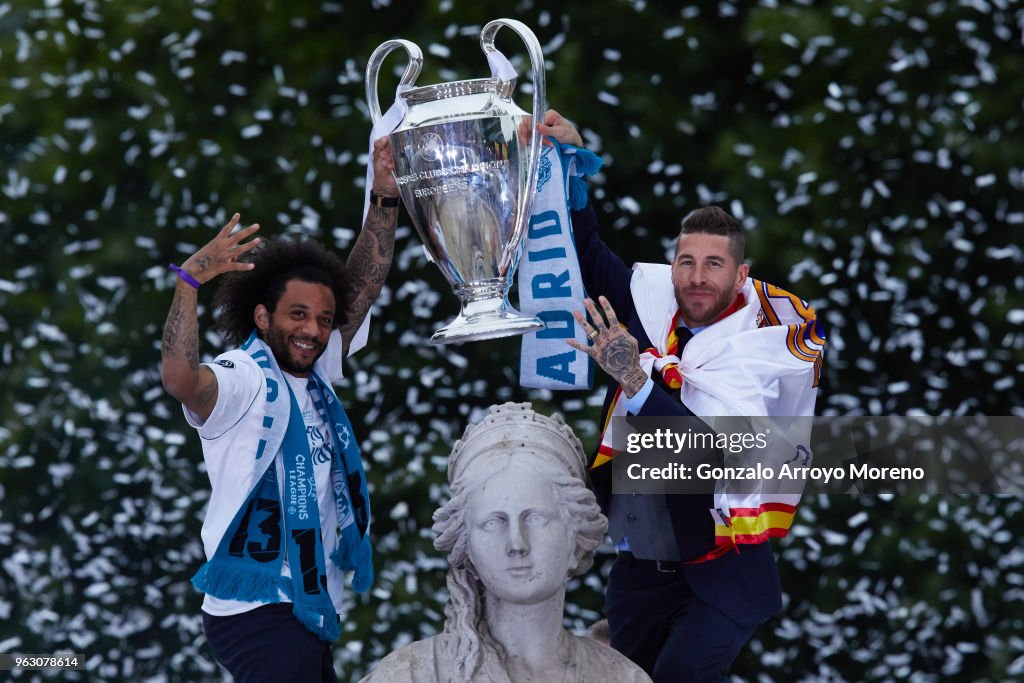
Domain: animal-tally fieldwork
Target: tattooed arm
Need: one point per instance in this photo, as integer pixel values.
(370, 260)
(183, 377)
(614, 349)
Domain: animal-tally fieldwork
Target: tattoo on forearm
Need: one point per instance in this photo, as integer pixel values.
(192, 350)
(368, 264)
(171, 328)
(181, 335)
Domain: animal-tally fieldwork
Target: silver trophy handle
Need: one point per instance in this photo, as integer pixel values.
(539, 89)
(412, 70)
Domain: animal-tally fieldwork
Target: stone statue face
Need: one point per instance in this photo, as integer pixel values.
(518, 539)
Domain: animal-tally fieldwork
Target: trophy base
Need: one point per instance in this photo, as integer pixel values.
(488, 319)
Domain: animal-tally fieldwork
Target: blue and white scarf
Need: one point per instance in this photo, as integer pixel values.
(550, 282)
(248, 560)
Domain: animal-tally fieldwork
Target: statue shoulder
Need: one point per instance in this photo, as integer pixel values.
(416, 663)
(413, 663)
(598, 661)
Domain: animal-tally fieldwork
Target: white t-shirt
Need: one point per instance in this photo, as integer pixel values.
(229, 437)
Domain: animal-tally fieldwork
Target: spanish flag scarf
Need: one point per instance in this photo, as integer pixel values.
(762, 362)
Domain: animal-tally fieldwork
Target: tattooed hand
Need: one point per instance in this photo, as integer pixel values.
(614, 349)
(220, 255)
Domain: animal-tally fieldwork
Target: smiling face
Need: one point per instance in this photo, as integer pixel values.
(706, 277)
(298, 329)
(518, 539)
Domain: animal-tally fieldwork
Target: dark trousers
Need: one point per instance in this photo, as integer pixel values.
(658, 622)
(269, 645)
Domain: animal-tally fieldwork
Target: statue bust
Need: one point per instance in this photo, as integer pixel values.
(519, 523)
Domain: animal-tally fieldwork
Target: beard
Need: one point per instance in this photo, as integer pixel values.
(277, 340)
(705, 310)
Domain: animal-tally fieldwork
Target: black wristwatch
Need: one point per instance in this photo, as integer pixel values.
(382, 202)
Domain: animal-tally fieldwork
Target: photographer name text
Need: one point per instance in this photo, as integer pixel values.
(785, 471)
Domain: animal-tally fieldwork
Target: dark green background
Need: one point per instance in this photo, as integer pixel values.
(873, 150)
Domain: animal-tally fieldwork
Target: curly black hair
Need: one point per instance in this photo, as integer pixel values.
(278, 261)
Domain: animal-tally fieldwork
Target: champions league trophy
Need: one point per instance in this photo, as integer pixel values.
(466, 162)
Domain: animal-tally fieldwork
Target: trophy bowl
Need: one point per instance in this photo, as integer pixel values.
(466, 161)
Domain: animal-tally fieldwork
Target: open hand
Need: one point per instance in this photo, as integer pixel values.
(614, 349)
(220, 255)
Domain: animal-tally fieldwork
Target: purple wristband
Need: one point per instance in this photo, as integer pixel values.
(184, 275)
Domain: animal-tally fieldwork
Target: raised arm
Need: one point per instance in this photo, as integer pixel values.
(183, 377)
(604, 273)
(370, 260)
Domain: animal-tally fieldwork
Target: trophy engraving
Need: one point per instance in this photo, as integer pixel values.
(466, 162)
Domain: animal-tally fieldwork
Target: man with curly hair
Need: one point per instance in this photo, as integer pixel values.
(289, 511)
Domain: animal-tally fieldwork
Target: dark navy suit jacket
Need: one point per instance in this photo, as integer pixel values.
(745, 584)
